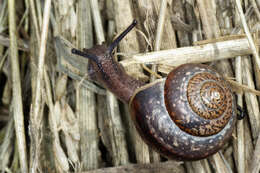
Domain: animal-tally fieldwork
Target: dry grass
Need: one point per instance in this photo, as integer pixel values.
(52, 119)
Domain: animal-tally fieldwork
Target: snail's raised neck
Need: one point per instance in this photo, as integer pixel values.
(107, 71)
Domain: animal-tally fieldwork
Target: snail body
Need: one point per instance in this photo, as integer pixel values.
(187, 116)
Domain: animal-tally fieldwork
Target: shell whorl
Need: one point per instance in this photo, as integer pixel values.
(198, 100)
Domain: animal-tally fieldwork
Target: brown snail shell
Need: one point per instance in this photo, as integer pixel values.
(165, 119)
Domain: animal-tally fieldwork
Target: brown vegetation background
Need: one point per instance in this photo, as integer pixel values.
(52, 119)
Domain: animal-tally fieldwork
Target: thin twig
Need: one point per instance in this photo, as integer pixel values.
(160, 26)
(256, 10)
(34, 17)
(97, 21)
(249, 37)
(159, 31)
(255, 164)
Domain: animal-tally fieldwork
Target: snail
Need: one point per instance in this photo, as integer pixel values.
(189, 115)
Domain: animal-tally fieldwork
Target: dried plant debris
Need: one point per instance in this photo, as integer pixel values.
(55, 118)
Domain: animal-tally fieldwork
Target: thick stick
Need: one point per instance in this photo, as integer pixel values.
(240, 124)
(36, 115)
(165, 167)
(194, 54)
(17, 93)
(86, 103)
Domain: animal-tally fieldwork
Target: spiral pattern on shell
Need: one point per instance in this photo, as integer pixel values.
(198, 100)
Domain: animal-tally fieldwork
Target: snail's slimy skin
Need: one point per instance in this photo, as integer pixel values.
(158, 130)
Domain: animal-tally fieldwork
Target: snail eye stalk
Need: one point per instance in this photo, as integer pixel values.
(84, 54)
(121, 36)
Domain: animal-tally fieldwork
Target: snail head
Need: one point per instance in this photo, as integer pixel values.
(100, 50)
